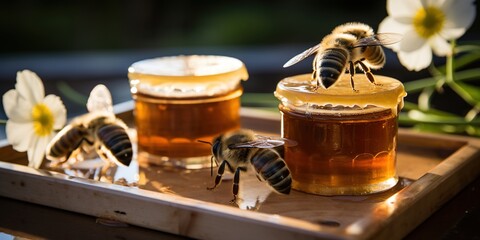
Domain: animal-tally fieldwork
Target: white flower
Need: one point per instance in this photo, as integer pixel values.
(426, 25)
(32, 117)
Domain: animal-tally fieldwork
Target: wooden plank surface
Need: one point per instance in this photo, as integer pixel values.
(432, 168)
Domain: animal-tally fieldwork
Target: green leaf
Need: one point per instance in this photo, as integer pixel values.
(420, 84)
(463, 61)
(472, 91)
(471, 47)
(429, 125)
(436, 117)
(261, 100)
(70, 93)
(412, 106)
(404, 119)
(473, 131)
(442, 128)
(468, 75)
(461, 76)
(467, 59)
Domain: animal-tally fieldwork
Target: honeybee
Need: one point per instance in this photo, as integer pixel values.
(98, 130)
(354, 44)
(243, 149)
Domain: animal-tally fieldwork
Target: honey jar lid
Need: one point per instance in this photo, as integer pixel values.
(300, 92)
(187, 75)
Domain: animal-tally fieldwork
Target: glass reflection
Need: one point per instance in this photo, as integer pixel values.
(252, 192)
(99, 170)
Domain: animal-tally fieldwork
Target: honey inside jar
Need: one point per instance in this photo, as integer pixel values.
(345, 140)
(180, 100)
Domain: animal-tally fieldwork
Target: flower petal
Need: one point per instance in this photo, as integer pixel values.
(9, 101)
(460, 14)
(402, 8)
(37, 152)
(452, 33)
(19, 110)
(19, 135)
(30, 86)
(58, 110)
(390, 25)
(440, 46)
(411, 42)
(416, 60)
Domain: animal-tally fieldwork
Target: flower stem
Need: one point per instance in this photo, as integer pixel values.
(424, 98)
(449, 65)
(449, 79)
(472, 114)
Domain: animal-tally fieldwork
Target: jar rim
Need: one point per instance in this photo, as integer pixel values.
(186, 65)
(299, 93)
(186, 75)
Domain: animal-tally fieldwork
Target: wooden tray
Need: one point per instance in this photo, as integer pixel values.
(432, 169)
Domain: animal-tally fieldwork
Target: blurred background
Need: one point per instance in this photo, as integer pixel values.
(74, 45)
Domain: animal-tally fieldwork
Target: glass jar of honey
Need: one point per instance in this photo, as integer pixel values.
(346, 140)
(180, 100)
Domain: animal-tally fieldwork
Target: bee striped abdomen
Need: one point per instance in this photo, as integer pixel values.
(116, 140)
(273, 169)
(331, 64)
(375, 56)
(68, 142)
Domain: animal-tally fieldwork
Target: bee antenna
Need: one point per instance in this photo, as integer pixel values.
(201, 141)
(211, 159)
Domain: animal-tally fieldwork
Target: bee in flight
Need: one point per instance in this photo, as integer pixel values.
(352, 44)
(99, 129)
(243, 149)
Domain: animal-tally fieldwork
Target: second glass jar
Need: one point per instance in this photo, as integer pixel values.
(180, 100)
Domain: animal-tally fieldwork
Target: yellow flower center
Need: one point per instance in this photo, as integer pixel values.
(42, 120)
(428, 21)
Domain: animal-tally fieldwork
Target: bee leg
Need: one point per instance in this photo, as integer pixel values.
(236, 181)
(367, 72)
(218, 178)
(106, 170)
(314, 73)
(315, 76)
(352, 73)
(211, 166)
(69, 154)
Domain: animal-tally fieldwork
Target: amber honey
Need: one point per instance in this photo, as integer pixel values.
(171, 128)
(183, 99)
(341, 154)
(345, 140)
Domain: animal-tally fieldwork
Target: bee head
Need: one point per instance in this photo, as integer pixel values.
(216, 147)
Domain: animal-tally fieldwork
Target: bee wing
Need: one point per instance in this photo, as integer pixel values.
(302, 55)
(379, 39)
(273, 140)
(260, 143)
(264, 142)
(100, 100)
